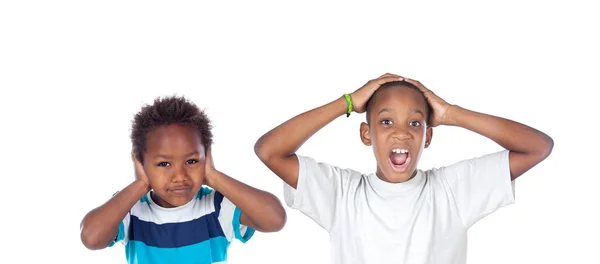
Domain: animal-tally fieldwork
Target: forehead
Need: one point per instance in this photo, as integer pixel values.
(398, 96)
(174, 138)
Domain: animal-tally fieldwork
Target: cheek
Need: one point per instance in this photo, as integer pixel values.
(380, 148)
(196, 173)
(419, 134)
(420, 137)
(378, 137)
(157, 176)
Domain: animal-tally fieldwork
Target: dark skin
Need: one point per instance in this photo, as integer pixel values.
(398, 120)
(176, 166)
(527, 146)
(397, 127)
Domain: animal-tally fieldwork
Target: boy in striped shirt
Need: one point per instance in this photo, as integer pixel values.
(166, 215)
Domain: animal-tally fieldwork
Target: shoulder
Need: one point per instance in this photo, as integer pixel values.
(210, 199)
(310, 164)
(478, 162)
(142, 206)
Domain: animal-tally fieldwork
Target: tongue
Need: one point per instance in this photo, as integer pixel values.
(398, 158)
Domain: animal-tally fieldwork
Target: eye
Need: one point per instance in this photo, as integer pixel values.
(387, 122)
(415, 123)
(192, 161)
(163, 164)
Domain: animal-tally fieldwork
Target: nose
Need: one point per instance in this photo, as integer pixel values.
(401, 133)
(179, 174)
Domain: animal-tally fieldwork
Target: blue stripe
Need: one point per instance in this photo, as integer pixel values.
(218, 199)
(236, 227)
(145, 199)
(120, 235)
(213, 250)
(172, 235)
(203, 192)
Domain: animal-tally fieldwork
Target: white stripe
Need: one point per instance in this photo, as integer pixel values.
(195, 209)
(125, 230)
(225, 218)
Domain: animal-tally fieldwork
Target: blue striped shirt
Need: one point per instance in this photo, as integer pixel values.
(197, 232)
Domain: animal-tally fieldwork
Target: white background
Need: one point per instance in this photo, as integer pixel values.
(73, 73)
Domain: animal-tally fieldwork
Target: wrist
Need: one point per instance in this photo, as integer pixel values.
(211, 178)
(452, 116)
(340, 105)
(141, 187)
(349, 104)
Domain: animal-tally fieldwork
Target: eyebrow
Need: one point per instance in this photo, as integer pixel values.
(417, 111)
(412, 111)
(385, 110)
(164, 156)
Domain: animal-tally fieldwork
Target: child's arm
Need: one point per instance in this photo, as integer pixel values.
(100, 226)
(261, 210)
(527, 146)
(276, 149)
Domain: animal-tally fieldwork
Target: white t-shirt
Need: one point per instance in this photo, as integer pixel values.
(423, 220)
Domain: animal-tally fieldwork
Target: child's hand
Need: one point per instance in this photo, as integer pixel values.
(438, 105)
(140, 173)
(361, 96)
(209, 168)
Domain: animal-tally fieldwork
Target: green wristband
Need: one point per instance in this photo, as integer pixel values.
(349, 103)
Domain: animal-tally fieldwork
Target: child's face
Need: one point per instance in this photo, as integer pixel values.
(397, 131)
(174, 162)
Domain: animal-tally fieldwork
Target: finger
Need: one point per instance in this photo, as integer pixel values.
(136, 162)
(417, 84)
(389, 75)
(388, 79)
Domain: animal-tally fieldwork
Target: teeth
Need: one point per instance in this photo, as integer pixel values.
(400, 151)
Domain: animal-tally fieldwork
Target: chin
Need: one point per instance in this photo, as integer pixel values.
(179, 202)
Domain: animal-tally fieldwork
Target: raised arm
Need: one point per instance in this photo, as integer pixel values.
(260, 210)
(100, 226)
(277, 148)
(527, 146)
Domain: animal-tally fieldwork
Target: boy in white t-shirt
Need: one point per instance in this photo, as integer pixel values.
(400, 214)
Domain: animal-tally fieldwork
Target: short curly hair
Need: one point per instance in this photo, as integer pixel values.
(166, 111)
(384, 86)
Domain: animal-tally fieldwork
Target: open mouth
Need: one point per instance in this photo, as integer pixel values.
(400, 159)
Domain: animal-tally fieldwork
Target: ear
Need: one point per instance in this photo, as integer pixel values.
(428, 136)
(365, 134)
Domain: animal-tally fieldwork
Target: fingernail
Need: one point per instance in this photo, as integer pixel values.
(401, 78)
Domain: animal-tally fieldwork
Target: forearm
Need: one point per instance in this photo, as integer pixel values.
(287, 138)
(509, 134)
(100, 226)
(263, 209)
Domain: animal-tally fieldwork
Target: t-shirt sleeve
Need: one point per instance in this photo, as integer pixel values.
(480, 185)
(229, 219)
(123, 234)
(318, 192)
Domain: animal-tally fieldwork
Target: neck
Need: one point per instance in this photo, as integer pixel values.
(382, 177)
